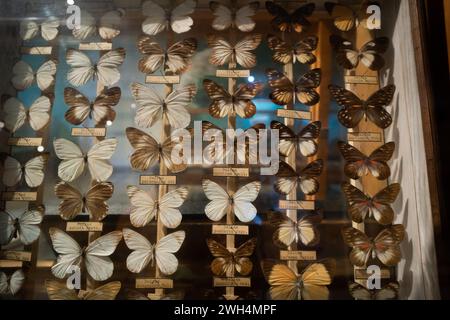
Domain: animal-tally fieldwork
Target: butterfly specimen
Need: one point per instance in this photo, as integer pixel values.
(285, 92)
(24, 227)
(288, 231)
(100, 110)
(370, 53)
(354, 109)
(143, 252)
(108, 26)
(285, 53)
(358, 164)
(92, 202)
(288, 179)
(82, 70)
(303, 142)
(288, 22)
(10, 285)
(240, 18)
(344, 17)
(176, 59)
(225, 104)
(148, 151)
(145, 207)
(158, 18)
(152, 107)
(29, 29)
(74, 160)
(57, 290)
(226, 261)
(388, 292)
(24, 76)
(223, 52)
(32, 171)
(311, 284)
(378, 206)
(95, 256)
(240, 202)
(385, 246)
(38, 115)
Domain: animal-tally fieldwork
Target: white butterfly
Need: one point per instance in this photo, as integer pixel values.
(33, 171)
(144, 207)
(11, 285)
(241, 18)
(83, 70)
(95, 255)
(16, 115)
(24, 75)
(74, 160)
(152, 107)
(239, 202)
(158, 18)
(30, 29)
(144, 251)
(25, 227)
(108, 27)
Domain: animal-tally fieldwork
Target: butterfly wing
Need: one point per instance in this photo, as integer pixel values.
(315, 278)
(107, 65)
(69, 252)
(102, 110)
(108, 291)
(223, 262)
(98, 159)
(12, 172)
(307, 229)
(87, 27)
(179, 55)
(344, 17)
(142, 250)
(287, 179)
(220, 200)
(39, 113)
(358, 292)
(287, 138)
(222, 102)
(79, 106)
(243, 208)
(23, 75)
(282, 51)
(7, 229)
(356, 164)
(306, 87)
(176, 103)
(308, 177)
(110, 22)
(81, 69)
(169, 213)
(306, 139)
(223, 16)
(28, 29)
(377, 161)
(49, 28)
(303, 50)
(221, 51)
(45, 75)
(358, 202)
(371, 53)
(71, 200)
(376, 104)
(57, 290)
(298, 17)
(143, 206)
(243, 264)
(243, 50)
(34, 171)
(29, 226)
(387, 246)
(72, 164)
(282, 280)
(243, 95)
(381, 210)
(16, 282)
(352, 112)
(146, 148)
(281, 20)
(15, 114)
(286, 232)
(243, 18)
(180, 21)
(150, 105)
(346, 56)
(389, 292)
(165, 249)
(95, 200)
(155, 55)
(282, 88)
(156, 20)
(361, 244)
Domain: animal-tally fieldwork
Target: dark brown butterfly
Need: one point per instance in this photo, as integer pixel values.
(378, 206)
(286, 22)
(302, 51)
(288, 179)
(370, 53)
(358, 164)
(388, 292)
(385, 246)
(354, 109)
(303, 141)
(284, 91)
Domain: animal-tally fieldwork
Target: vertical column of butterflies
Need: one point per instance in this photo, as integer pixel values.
(296, 236)
(22, 210)
(160, 107)
(232, 264)
(84, 186)
(374, 238)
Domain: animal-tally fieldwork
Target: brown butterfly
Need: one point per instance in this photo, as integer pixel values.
(284, 91)
(286, 22)
(100, 110)
(359, 165)
(370, 53)
(93, 202)
(175, 60)
(225, 104)
(377, 206)
(385, 246)
(288, 180)
(354, 109)
(226, 261)
(58, 290)
(302, 142)
(388, 292)
(302, 51)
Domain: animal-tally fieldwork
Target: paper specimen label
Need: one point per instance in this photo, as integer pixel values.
(229, 229)
(25, 142)
(11, 264)
(100, 46)
(364, 137)
(362, 274)
(231, 172)
(162, 79)
(17, 255)
(233, 73)
(298, 255)
(361, 80)
(88, 132)
(293, 114)
(19, 196)
(297, 205)
(157, 180)
(84, 226)
(152, 283)
(232, 282)
(36, 50)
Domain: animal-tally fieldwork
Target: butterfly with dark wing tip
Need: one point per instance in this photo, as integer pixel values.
(355, 109)
(287, 22)
(378, 206)
(303, 142)
(285, 53)
(288, 179)
(388, 292)
(240, 18)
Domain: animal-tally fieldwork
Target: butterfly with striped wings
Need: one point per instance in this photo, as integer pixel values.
(288, 179)
(303, 142)
(288, 22)
(302, 51)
